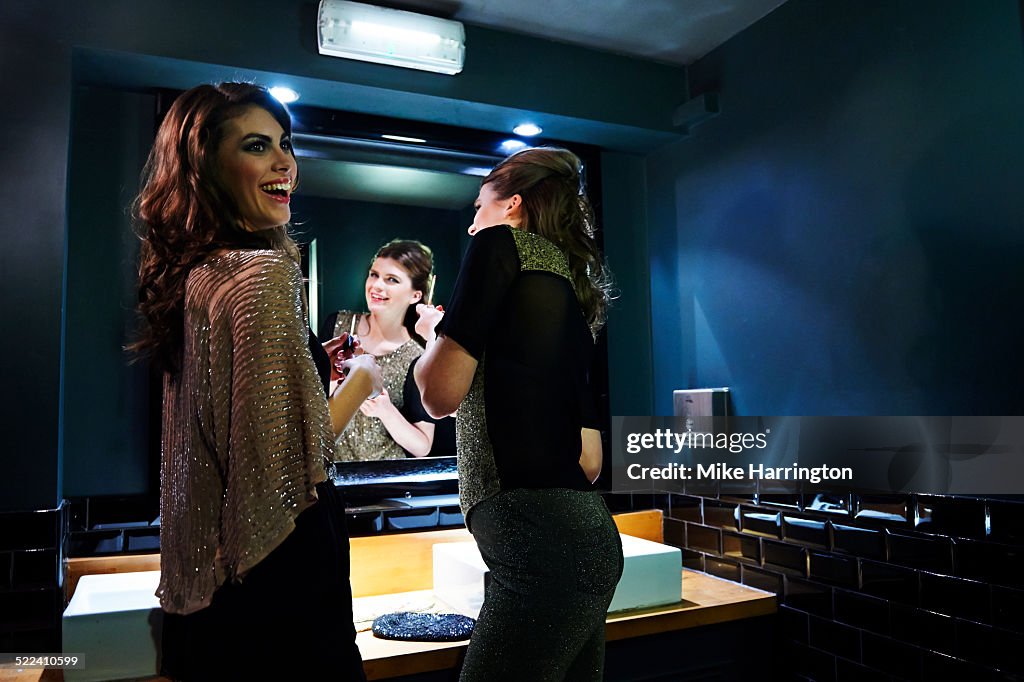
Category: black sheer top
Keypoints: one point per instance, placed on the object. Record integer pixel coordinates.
(514, 309)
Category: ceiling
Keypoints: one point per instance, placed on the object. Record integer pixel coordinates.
(671, 31)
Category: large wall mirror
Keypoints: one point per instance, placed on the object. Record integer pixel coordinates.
(364, 181)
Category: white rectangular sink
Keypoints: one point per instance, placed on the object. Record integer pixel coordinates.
(652, 575)
(110, 622)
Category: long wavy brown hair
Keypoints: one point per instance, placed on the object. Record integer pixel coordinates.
(555, 206)
(183, 213)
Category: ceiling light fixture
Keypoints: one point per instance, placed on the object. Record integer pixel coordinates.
(354, 30)
(283, 95)
(509, 146)
(527, 129)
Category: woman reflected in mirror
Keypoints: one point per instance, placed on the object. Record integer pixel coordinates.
(399, 280)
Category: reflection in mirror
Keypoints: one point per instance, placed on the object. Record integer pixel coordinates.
(356, 195)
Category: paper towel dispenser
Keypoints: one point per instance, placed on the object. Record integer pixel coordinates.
(701, 402)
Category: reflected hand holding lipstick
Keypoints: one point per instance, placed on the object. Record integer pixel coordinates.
(339, 349)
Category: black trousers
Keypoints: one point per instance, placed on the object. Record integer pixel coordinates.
(290, 618)
(554, 557)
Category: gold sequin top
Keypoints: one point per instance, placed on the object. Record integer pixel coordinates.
(246, 430)
(365, 438)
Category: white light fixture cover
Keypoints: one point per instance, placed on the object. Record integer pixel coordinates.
(389, 36)
(527, 129)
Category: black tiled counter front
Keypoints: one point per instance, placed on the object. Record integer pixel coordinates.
(31, 579)
(386, 496)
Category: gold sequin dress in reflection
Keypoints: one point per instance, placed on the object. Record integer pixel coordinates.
(366, 438)
(246, 429)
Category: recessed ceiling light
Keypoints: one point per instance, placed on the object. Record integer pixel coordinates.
(510, 146)
(402, 138)
(527, 129)
(283, 94)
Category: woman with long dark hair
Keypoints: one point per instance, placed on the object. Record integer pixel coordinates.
(513, 355)
(253, 549)
(399, 278)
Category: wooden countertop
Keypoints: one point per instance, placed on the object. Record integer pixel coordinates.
(708, 600)
(394, 573)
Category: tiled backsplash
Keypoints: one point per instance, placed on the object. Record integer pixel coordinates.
(871, 587)
(32, 549)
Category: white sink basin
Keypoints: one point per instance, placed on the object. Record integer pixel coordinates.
(652, 575)
(110, 622)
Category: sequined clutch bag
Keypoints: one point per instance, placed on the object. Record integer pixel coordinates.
(423, 627)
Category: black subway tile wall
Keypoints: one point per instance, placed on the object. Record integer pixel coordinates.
(835, 638)
(862, 611)
(674, 532)
(107, 525)
(848, 671)
(769, 581)
(810, 597)
(811, 663)
(833, 569)
(741, 547)
(722, 568)
(784, 558)
(704, 538)
(891, 656)
(889, 582)
(32, 579)
(811, 532)
(793, 624)
(684, 508)
(692, 560)
(927, 552)
(864, 542)
(950, 516)
(724, 516)
(956, 597)
(871, 586)
(1006, 522)
(1007, 605)
(765, 524)
(933, 631)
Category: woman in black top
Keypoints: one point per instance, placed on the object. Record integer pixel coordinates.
(512, 356)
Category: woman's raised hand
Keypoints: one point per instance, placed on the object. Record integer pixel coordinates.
(374, 407)
(429, 316)
(365, 363)
(340, 349)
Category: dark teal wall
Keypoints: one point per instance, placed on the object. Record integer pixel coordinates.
(846, 237)
(106, 429)
(624, 219)
(32, 256)
(48, 49)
